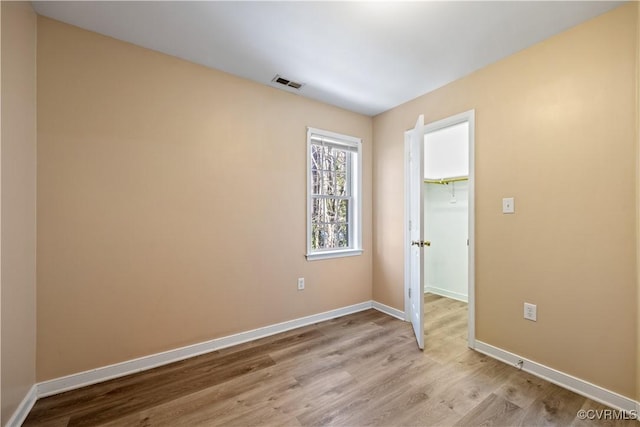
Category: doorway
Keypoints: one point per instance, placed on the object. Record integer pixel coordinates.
(443, 263)
(446, 211)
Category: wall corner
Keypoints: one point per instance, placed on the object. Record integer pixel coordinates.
(637, 115)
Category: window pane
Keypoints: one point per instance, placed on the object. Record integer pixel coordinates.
(331, 159)
(343, 236)
(322, 236)
(335, 236)
(327, 158)
(319, 211)
(316, 234)
(336, 210)
(316, 157)
(331, 210)
(341, 161)
(316, 181)
(343, 210)
(334, 184)
(315, 211)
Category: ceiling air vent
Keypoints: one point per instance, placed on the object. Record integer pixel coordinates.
(286, 82)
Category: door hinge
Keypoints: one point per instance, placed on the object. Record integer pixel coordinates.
(409, 293)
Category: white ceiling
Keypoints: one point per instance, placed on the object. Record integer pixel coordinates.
(366, 56)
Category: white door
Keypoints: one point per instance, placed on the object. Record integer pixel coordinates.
(416, 230)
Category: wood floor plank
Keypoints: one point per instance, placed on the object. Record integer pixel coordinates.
(318, 394)
(379, 386)
(557, 408)
(126, 403)
(493, 411)
(139, 391)
(522, 388)
(361, 369)
(222, 403)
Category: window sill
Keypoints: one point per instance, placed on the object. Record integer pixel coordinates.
(333, 254)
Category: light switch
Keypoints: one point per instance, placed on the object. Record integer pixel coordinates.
(530, 311)
(508, 205)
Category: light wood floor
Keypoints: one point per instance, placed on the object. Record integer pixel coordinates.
(362, 369)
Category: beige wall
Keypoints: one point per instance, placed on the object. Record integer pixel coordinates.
(171, 204)
(555, 128)
(638, 198)
(18, 203)
(1, 420)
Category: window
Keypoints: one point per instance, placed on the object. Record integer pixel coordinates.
(334, 205)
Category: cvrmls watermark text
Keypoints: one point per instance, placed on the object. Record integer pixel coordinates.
(606, 414)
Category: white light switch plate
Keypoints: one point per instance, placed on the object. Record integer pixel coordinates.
(508, 205)
(530, 311)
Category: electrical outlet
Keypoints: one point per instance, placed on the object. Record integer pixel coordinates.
(300, 283)
(530, 311)
(508, 205)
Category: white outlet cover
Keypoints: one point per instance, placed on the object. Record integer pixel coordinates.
(530, 311)
(508, 205)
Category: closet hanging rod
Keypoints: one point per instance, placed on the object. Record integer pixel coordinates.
(446, 180)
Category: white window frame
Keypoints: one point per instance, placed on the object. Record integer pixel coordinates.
(355, 179)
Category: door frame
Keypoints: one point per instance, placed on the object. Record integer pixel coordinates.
(467, 116)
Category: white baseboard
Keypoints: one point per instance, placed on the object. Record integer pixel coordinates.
(394, 312)
(24, 408)
(82, 379)
(567, 381)
(446, 293)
